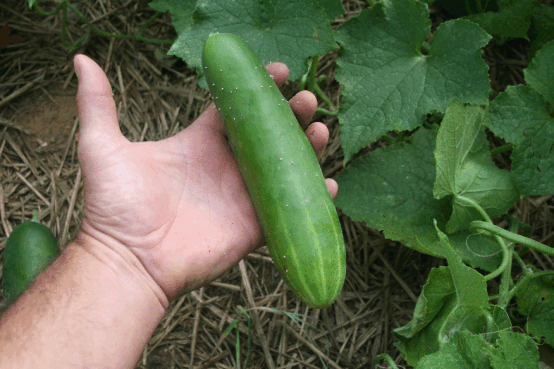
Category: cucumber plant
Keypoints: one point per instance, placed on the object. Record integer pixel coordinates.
(30, 248)
(281, 171)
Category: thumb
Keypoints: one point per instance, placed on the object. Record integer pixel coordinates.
(99, 129)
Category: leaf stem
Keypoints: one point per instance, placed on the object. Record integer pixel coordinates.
(303, 79)
(324, 97)
(475, 205)
(386, 357)
(45, 13)
(527, 278)
(65, 4)
(425, 46)
(115, 35)
(521, 264)
(501, 149)
(313, 69)
(522, 240)
(332, 113)
(505, 254)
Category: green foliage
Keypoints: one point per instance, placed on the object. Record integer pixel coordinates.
(465, 169)
(181, 11)
(512, 20)
(520, 115)
(280, 30)
(391, 189)
(542, 30)
(453, 300)
(535, 300)
(389, 84)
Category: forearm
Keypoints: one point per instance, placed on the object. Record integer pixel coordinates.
(82, 312)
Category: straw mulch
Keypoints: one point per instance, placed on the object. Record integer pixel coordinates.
(157, 98)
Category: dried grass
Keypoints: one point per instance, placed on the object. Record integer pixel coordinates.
(39, 169)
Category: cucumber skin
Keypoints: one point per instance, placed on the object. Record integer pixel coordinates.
(280, 169)
(30, 248)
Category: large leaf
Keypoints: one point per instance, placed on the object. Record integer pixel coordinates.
(388, 84)
(535, 300)
(512, 20)
(540, 73)
(519, 115)
(464, 350)
(441, 312)
(515, 351)
(450, 303)
(391, 189)
(465, 169)
(288, 31)
(543, 28)
(181, 11)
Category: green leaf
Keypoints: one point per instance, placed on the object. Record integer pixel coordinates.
(540, 72)
(333, 8)
(464, 350)
(454, 300)
(512, 20)
(230, 327)
(465, 168)
(388, 84)
(459, 8)
(391, 189)
(536, 302)
(181, 11)
(288, 31)
(515, 350)
(543, 28)
(469, 284)
(519, 115)
(440, 313)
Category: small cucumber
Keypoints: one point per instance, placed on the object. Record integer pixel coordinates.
(280, 169)
(30, 248)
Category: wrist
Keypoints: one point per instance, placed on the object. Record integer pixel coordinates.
(124, 266)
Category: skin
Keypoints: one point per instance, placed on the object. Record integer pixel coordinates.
(161, 219)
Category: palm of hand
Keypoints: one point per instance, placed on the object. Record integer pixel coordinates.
(179, 204)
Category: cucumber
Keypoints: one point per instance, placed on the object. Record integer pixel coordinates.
(30, 248)
(280, 169)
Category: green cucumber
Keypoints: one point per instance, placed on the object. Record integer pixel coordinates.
(30, 248)
(280, 169)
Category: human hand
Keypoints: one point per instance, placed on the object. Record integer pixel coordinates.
(177, 209)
